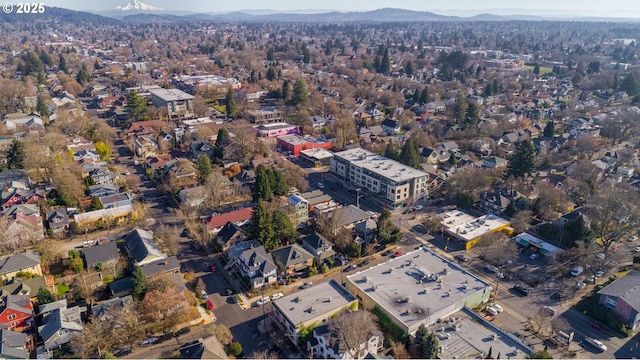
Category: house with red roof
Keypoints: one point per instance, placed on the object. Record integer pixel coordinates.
(238, 217)
(16, 313)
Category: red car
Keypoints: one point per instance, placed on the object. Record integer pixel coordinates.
(209, 304)
(212, 267)
(397, 253)
(597, 326)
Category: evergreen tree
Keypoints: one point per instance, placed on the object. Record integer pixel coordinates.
(424, 96)
(139, 283)
(96, 204)
(262, 188)
(490, 353)
(410, 155)
(430, 347)
(62, 64)
(203, 164)
(386, 231)
(279, 184)
(616, 81)
(286, 91)
(300, 95)
(385, 63)
(271, 74)
(536, 69)
(549, 129)
(630, 85)
(452, 159)
(137, 106)
(460, 108)
(523, 161)
(390, 151)
(305, 55)
(82, 77)
(408, 69)
(283, 227)
(471, 115)
(416, 96)
(42, 108)
(44, 296)
(261, 227)
(223, 137)
(230, 98)
(15, 155)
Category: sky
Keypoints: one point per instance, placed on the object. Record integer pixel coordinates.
(622, 8)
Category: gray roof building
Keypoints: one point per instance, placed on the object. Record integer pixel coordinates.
(102, 311)
(102, 254)
(623, 298)
(60, 326)
(121, 287)
(19, 262)
(13, 345)
(167, 265)
(142, 248)
(291, 256)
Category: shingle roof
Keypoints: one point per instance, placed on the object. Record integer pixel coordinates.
(233, 216)
(13, 345)
(316, 241)
(18, 262)
(626, 288)
(141, 246)
(59, 319)
(101, 254)
(291, 255)
(161, 266)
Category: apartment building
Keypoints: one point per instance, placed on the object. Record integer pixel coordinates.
(178, 103)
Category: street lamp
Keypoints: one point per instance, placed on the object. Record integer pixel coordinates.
(358, 198)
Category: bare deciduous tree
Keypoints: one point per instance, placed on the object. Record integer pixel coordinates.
(353, 329)
(221, 332)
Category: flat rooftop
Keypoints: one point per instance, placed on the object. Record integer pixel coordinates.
(295, 139)
(207, 80)
(314, 301)
(468, 227)
(465, 335)
(198, 121)
(381, 165)
(170, 94)
(417, 286)
(317, 153)
(263, 111)
(274, 126)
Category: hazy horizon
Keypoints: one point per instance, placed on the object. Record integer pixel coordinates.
(612, 8)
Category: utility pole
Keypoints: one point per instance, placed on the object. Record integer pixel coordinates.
(358, 198)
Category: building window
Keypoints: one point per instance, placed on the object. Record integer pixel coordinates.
(611, 303)
(11, 316)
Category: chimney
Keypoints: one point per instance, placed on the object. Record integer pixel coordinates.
(166, 262)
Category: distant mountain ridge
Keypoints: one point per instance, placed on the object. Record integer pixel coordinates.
(138, 5)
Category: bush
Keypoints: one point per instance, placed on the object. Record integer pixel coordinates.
(386, 323)
(324, 269)
(235, 349)
(589, 306)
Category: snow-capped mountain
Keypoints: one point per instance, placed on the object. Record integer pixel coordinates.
(138, 5)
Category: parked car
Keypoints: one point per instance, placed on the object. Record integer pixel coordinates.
(491, 268)
(306, 285)
(558, 295)
(349, 268)
(397, 253)
(600, 256)
(548, 310)
(492, 311)
(203, 294)
(150, 341)
(123, 352)
(636, 249)
(497, 307)
(365, 263)
(580, 285)
(590, 280)
(164, 337)
(596, 343)
(597, 326)
(534, 256)
(184, 330)
(503, 276)
(577, 270)
(388, 252)
(320, 185)
(419, 207)
(276, 296)
(599, 273)
(212, 267)
(522, 289)
(263, 301)
(461, 257)
(209, 304)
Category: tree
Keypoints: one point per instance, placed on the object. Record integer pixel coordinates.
(549, 129)
(203, 165)
(102, 149)
(630, 85)
(230, 101)
(283, 228)
(408, 68)
(235, 349)
(390, 151)
(199, 107)
(261, 227)
(82, 77)
(139, 283)
(96, 204)
(42, 108)
(536, 69)
(410, 155)
(426, 343)
(613, 214)
(223, 137)
(387, 232)
(523, 161)
(351, 329)
(44, 296)
(62, 64)
(471, 116)
(15, 155)
(221, 332)
(424, 96)
(165, 304)
(262, 187)
(286, 91)
(75, 261)
(385, 63)
(300, 95)
(137, 106)
(540, 354)
(460, 108)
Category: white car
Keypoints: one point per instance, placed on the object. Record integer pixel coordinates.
(577, 270)
(263, 301)
(580, 285)
(596, 343)
(321, 185)
(276, 296)
(491, 268)
(599, 273)
(600, 256)
(491, 310)
(534, 256)
(419, 207)
(636, 249)
(497, 307)
(548, 310)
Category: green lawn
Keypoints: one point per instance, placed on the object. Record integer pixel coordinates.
(543, 69)
(62, 289)
(221, 108)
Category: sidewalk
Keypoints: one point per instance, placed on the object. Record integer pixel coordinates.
(204, 317)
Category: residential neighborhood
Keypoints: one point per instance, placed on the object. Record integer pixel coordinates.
(368, 184)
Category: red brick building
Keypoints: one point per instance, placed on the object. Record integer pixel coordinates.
(295, 143)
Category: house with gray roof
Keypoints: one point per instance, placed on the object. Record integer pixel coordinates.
(23, 286)
(348, 216)
(116, 200)
(121, 287)
(254, 262)
(60, 326)
(105, 309)
(58, 220)
(142, 248)
(101, 190)
(318, 246)
(292, 258)
(27, 262)
(104, 254)
(13, 345)
(622, 297)
(168, 265)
